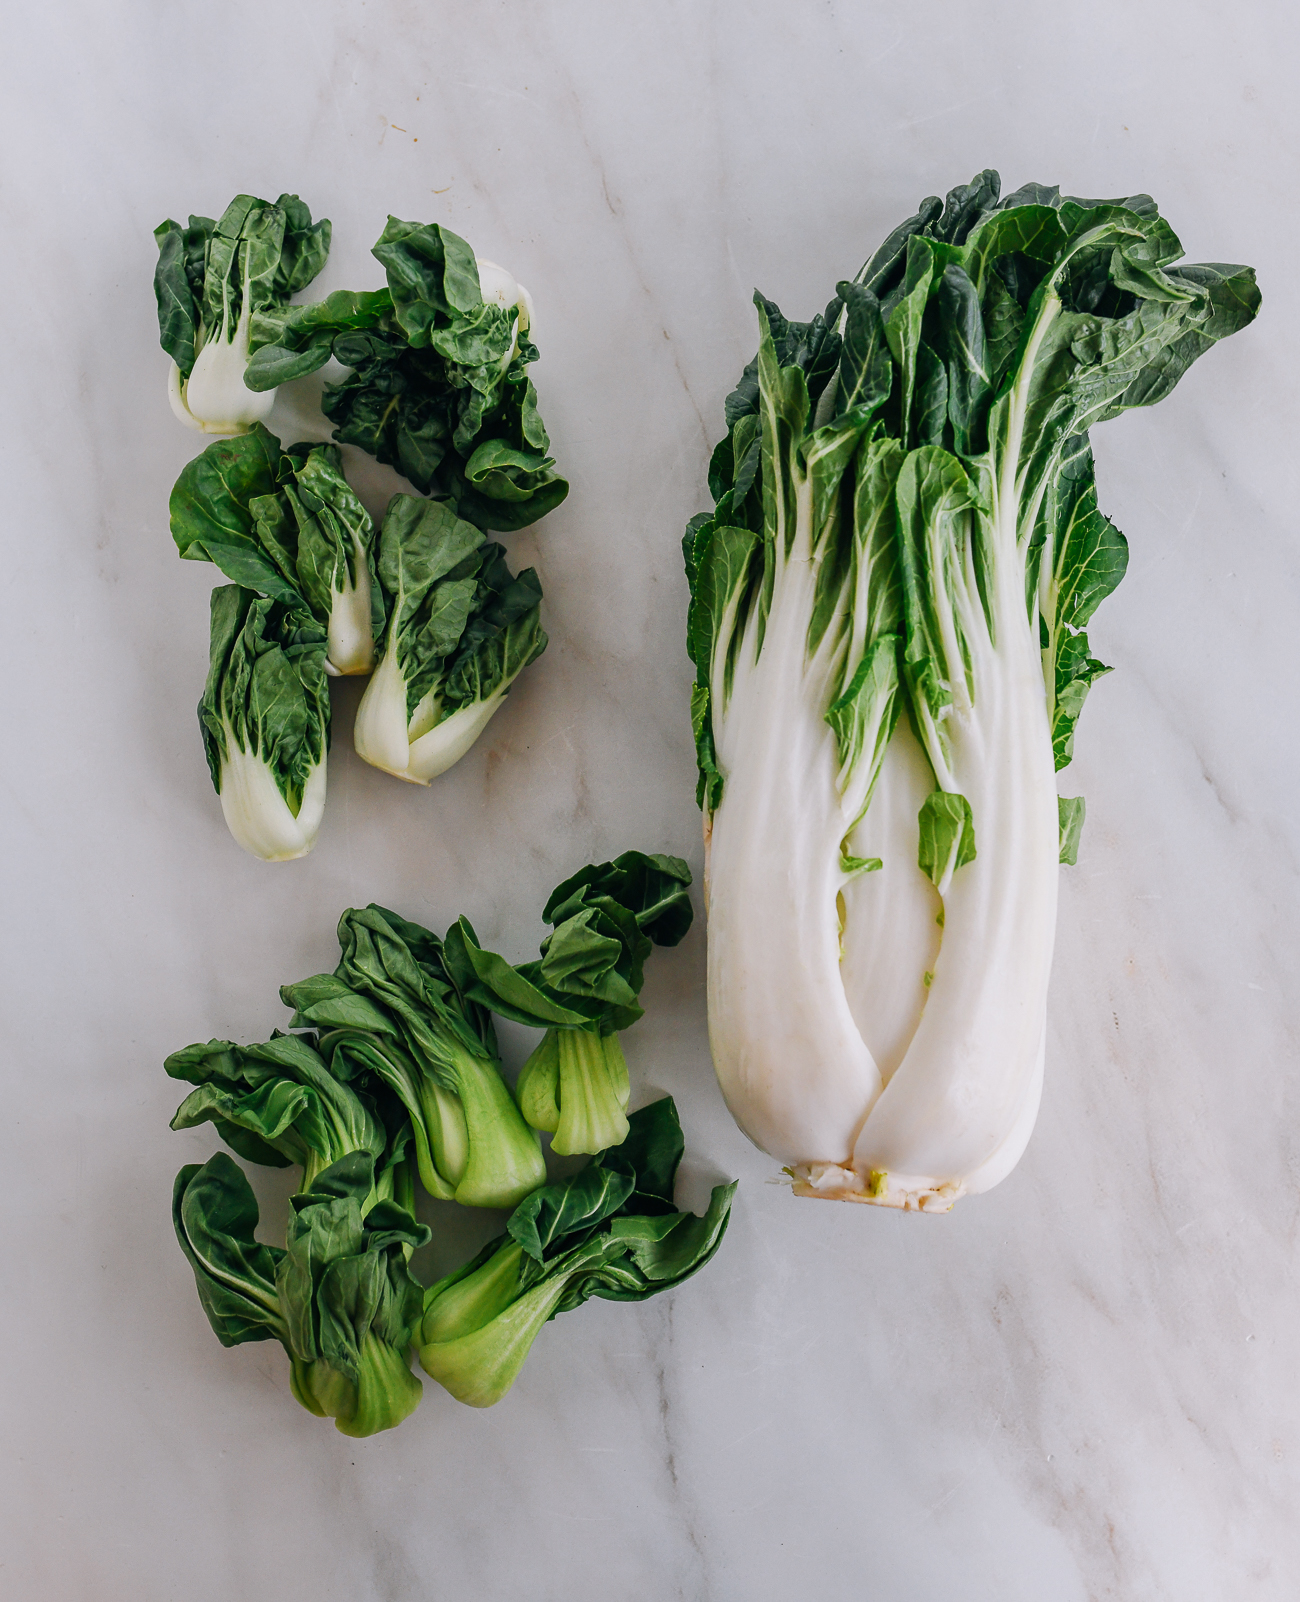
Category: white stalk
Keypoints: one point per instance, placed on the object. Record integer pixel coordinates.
(351, 647)
(215, 399)
(891, 924)
(500, 288)
(417, 749)
(791, 1062)
(256, 813)
(380, 731)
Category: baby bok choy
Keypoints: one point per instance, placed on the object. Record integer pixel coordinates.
(285, 522)
(461, 628)
(265, 721)
(212, 281)
(338, 1295)
(393, 1012)
(888, 606)
(439, 386)
(582, 992)
(610, 1231)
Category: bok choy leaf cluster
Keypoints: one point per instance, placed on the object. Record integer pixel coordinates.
(393, 1070)
(439, 386)
(889, 605)
(213, 280)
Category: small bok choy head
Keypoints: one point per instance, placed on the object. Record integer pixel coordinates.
(281, 1102)
(906, 517)
(610, 1231)
(461, 628)
(212, 280)
(285, 522)
(265, 721)
(392, 1010)
(439, 386)
(338, 1296)
(583, 991)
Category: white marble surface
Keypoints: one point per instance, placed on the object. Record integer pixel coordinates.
(1081, 1386)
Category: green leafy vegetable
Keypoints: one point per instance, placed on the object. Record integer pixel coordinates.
(582, 991)
(265, 721)
(287, 524)
(213, 281)
(338, 1296)
(608, 1231)
(392, 1010)
(439, 386)
(461, 628)
(906, 518)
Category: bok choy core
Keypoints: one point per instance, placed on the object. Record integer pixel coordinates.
(887, 618)
(212, 281)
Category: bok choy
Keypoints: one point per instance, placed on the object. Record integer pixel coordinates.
(439, 386)
(213, 279)
(461, 628)
(888, 612)
(582, 992)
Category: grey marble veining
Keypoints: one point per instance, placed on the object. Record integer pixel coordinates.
(1081, 1386)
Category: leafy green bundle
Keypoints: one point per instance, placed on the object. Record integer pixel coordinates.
(609, 1231)
(265, 721)
(582, 991)
(461, 628)
(339, 1296)
(439, 386)
(393, 1011)
(399, 1053)
(906, 516)
(212, 280)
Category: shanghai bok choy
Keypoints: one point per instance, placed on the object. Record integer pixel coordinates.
(461, 628)
(395, 1071)
(215, 282)
(888, 614)
(393, 1011)
(610, 1230)
(438, 387)
(582, 992)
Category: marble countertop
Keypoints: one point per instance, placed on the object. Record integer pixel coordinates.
(1080, 1386)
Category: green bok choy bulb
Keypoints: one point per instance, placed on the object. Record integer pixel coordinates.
(609, 1231)
(265, 721)
(461, 628)
(906, 518)
(211, 280)
(338, 1296)
(392, 1010)
(285, 522)
(583, 991)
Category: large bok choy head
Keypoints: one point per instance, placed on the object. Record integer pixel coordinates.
(287, 524)
(887, 619)
(439, 386)
(609, 1231)
(582, 992)
(212, 280)
(461, 628)
(393, 1012)
(338, 1295)
(265, 721)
